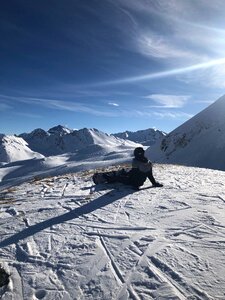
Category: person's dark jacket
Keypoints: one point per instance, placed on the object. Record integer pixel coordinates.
(141, 168)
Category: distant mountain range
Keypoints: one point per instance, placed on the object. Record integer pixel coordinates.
(199, 142)
(59, 140)
(147, 137)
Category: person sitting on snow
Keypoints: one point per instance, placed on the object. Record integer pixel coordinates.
(136, 177)
(141, 169)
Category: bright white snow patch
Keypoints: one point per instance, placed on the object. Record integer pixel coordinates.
(14, 148)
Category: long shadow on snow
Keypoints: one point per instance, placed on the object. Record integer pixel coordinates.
(100, 202)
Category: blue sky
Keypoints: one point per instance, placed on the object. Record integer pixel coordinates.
(114, 65)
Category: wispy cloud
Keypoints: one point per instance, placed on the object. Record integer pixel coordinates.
(214, 78)
(207, 101)
(113, 104)
(126, 13)
(68, 106)
(4, 106)
(28, 115)
(179, 35)
(173, 115)
(168, 101)
(169, 115)
(126, 112)
(96, 110)
(156, 46)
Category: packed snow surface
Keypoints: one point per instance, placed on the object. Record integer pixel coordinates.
(64, 238)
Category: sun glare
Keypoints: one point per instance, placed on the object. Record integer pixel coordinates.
(166, 73)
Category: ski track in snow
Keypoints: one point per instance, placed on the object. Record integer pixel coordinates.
(63, 238)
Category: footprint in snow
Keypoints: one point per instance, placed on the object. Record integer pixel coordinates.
(162, 207)
(40, 294)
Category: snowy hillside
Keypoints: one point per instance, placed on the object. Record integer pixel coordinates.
(60, 140)
(13, 148)
(23, 170)
(146, 137)
(63, 238)
(199, 142)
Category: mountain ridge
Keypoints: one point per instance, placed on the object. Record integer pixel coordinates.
(59, 140)
(146, 137)
(199, 142)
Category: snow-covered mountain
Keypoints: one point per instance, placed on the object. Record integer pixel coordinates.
(59, 130)
(14, 148)
(199, 142)
(146, 137)
(60, 140)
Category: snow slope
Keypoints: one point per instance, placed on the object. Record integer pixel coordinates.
(198, 142)
(63, 238)
(93, 156)
(146, 137)
(14, 148)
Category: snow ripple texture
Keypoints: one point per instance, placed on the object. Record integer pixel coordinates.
(63, 238)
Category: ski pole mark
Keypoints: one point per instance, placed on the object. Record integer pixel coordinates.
(116, 271)
(64, 189)
(173, 278)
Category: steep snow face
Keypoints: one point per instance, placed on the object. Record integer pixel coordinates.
(147, 137)
(106, 139)
(198, 142)
(59, 140)
(14, 148)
